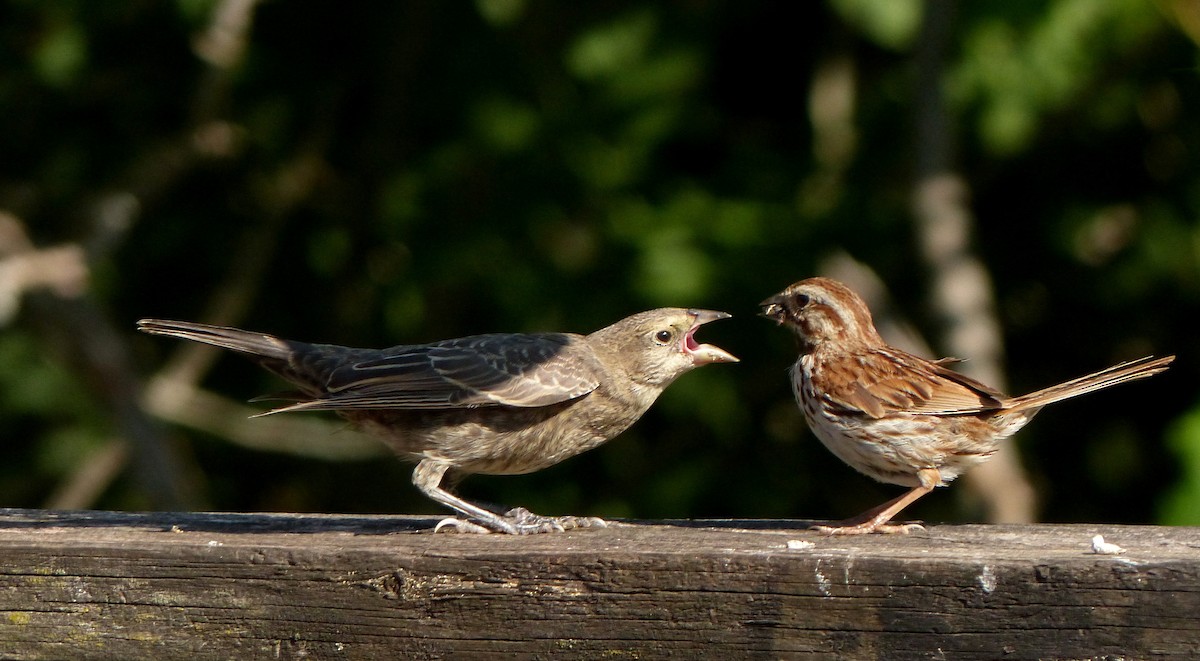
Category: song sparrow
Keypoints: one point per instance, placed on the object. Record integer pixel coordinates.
(896, 417)
(500, 404)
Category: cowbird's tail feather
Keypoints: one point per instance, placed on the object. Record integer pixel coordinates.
(234, 339)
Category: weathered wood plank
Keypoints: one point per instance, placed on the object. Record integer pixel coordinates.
(85, 585)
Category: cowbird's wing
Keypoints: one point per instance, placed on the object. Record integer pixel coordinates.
(524, 370)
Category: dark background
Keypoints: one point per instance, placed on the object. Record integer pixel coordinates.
(380, 173)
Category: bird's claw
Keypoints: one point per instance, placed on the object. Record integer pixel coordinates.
(520, 521)
(453, 524)
(527, 522)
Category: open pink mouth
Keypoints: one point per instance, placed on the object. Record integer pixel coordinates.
(703, 354)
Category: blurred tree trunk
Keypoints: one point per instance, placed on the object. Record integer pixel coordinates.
(960, 285)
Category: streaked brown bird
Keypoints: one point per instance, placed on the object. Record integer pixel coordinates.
(498, 404)
(896, 417)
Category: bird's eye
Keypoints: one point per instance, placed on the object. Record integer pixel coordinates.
(663, 336)
(802, 300)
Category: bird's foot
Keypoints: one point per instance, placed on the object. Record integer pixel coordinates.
(519, 521)
(869, 527)
(528, 523)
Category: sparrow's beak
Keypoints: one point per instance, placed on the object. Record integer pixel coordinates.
(703, 354)
(773, 309)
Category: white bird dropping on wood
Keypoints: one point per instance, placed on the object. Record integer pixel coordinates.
(1102, 547)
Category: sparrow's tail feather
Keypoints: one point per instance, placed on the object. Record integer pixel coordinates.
(1130, 371)
(234, 339)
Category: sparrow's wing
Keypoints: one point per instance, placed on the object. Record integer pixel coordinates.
(889, 380)
(525, 370)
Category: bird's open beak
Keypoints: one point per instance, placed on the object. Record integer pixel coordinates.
(773, 309)
(703, 354)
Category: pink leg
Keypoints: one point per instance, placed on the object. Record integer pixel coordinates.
(876, 519)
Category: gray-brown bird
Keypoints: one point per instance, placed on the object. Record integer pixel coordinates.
(497, 404)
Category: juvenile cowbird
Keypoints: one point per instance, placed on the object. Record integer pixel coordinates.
(897, 417)
(498, 404)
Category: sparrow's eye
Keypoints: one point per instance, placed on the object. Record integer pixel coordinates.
(663, 336)
(802, 300)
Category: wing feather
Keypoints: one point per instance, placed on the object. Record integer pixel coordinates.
(888, 381)
(524, 370)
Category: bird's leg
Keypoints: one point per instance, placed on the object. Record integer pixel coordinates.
(427, 477)
(876, 519)
(519, 521)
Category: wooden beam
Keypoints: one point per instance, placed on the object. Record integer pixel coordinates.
(90, 585)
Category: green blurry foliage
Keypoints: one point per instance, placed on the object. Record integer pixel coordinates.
(890, 23)
(516, 166)
(1181, 504)
(47, 403)
(61, 55)
(1018, 68)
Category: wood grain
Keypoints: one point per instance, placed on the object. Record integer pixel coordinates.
(104, 585)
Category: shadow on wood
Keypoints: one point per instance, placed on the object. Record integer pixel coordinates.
(197, 586)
